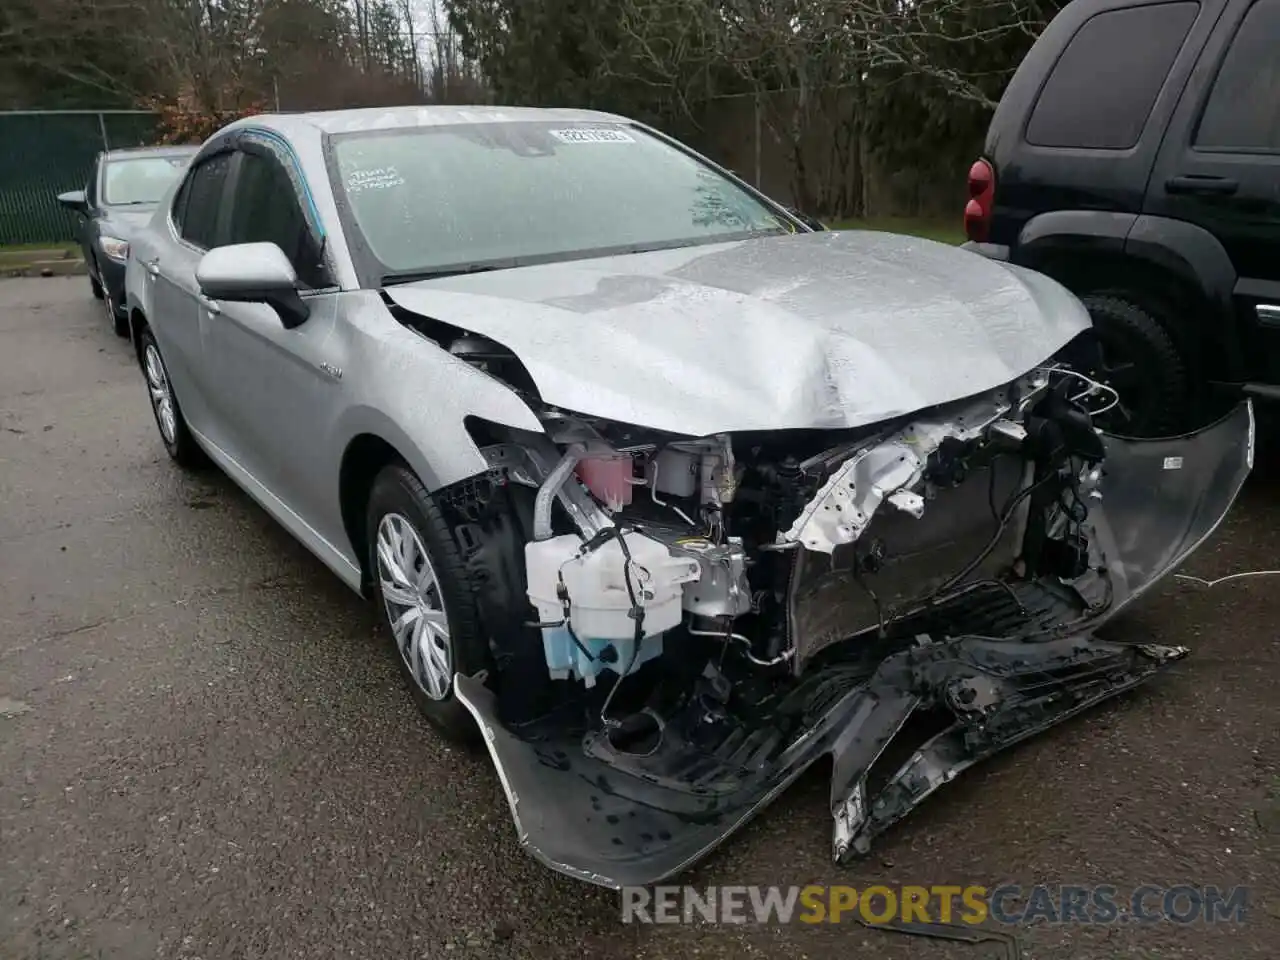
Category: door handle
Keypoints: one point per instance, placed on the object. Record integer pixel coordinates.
(210, 305)
(1219, 186)
(153, 266)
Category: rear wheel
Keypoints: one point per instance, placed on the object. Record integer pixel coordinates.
(178, 441)
(1131, 351)
(425, 596)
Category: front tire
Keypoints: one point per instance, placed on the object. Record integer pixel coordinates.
(178, 441)
(119, 323)
(424, 593)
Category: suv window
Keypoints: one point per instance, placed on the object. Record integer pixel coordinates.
(1103, 87)
(1243, 111)
(265, 209)
(195, 211)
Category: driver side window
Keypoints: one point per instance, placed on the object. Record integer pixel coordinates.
(265, 209)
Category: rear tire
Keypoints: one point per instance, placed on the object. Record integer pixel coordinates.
(424, 594)
(1131, 350)
(177, 438)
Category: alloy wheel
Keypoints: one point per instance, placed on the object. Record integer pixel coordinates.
(414, 605)
(161, 394)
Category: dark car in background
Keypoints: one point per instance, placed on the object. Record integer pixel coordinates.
(1135, 158)
(122, 193)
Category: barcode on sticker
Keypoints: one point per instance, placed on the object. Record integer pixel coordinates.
(593, 135)
(1173, 463)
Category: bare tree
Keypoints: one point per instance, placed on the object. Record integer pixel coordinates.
(452, 78)
(808, 65)
(50, 37)
(214, 56)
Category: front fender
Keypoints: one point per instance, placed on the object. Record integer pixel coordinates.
(416, 396)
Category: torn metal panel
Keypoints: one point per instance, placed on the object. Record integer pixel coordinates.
(890, 468)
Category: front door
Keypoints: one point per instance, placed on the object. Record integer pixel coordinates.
(278, 387)
(1220, 167)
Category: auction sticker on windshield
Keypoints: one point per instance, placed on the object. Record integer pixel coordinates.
(592, 135)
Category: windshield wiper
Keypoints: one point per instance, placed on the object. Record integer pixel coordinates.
(391, 279)
(568, 256)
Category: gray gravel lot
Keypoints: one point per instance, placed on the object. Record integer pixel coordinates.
(206, 753)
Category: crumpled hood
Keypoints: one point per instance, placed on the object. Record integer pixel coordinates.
(821, 330)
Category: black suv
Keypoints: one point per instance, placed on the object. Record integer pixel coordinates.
(1135, 157)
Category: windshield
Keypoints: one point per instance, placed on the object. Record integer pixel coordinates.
(137, 180)
(435, 199)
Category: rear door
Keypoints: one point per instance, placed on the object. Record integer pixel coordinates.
(197, 225)
(278, 388)
(1220, 166)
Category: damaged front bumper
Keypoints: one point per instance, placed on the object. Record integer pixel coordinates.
(589, 808)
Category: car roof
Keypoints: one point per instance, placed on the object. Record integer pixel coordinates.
(378, 118)
(122, 153)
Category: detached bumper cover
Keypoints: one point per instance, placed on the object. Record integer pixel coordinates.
(614, 818)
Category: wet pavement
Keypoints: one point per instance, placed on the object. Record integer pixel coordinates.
(206, 752)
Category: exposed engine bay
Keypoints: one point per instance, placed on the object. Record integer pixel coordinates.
(680, 626)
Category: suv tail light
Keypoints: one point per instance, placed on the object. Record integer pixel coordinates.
(982, 194)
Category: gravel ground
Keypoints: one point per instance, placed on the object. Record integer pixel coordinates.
(204, 753)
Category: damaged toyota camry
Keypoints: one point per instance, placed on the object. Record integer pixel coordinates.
(664, 494)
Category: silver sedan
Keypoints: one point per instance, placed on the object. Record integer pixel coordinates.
(664, 492)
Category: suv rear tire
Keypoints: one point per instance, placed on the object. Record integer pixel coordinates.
(1133, 352)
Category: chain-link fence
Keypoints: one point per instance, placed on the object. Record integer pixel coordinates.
(46, 152)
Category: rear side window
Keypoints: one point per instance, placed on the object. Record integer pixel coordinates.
(1103, 87)
(198, 203)
(1243, 111)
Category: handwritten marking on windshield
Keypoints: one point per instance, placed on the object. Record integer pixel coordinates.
(377, 178)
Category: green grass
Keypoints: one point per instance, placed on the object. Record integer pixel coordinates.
(29, 247)
(944, 231)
